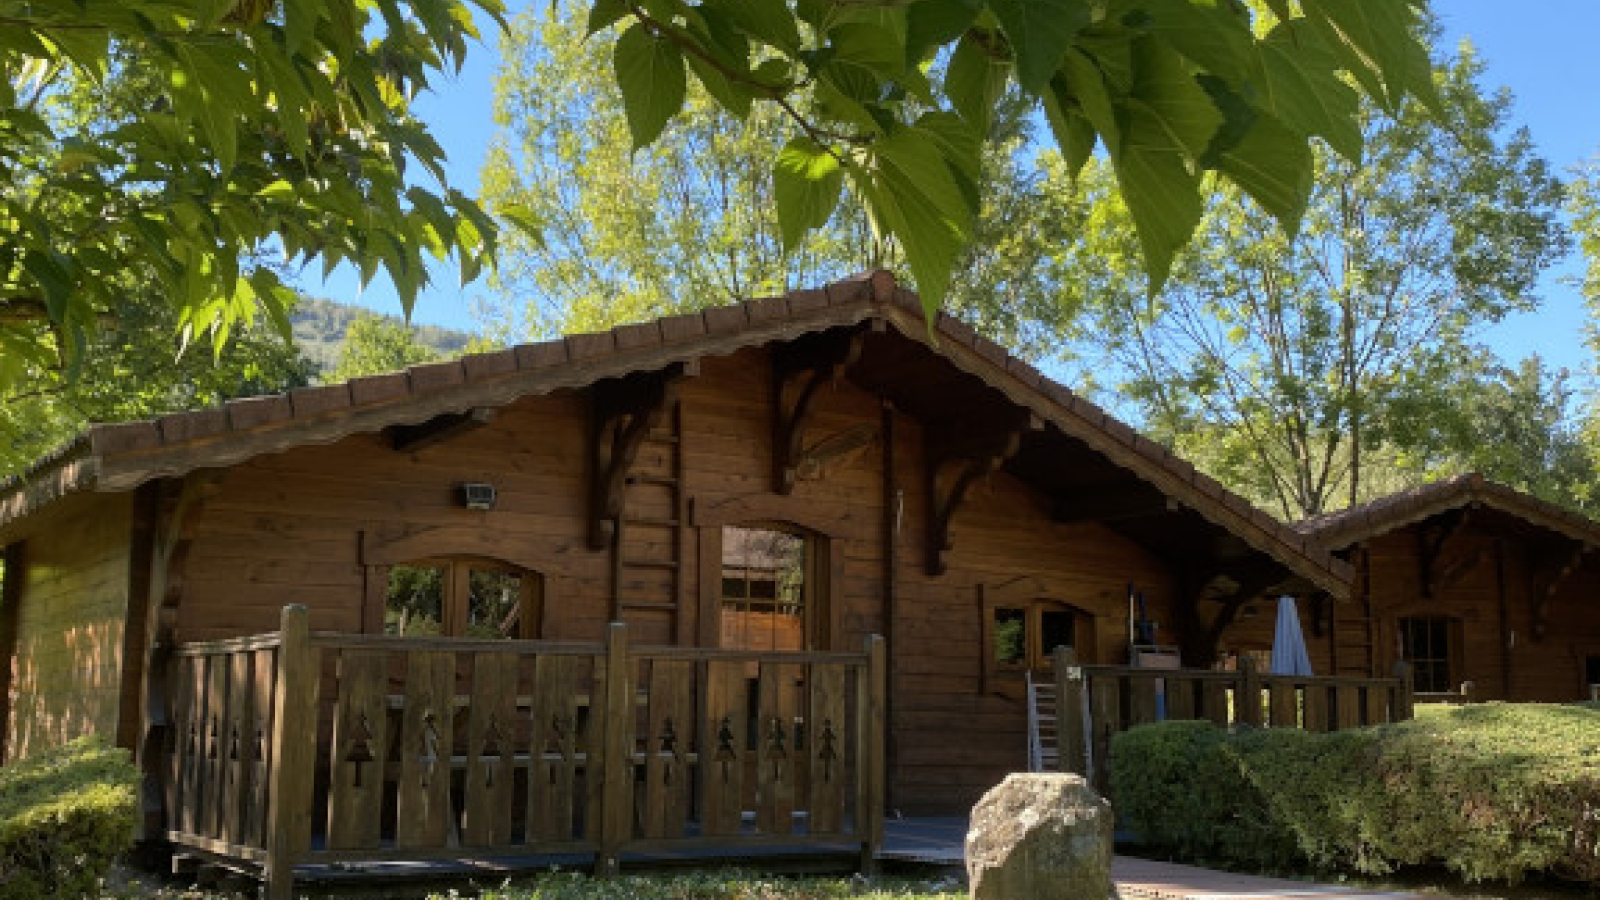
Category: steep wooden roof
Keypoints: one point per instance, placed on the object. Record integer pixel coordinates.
(119, 457)
(1341, 529)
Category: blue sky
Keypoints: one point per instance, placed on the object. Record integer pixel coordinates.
(1542, 50)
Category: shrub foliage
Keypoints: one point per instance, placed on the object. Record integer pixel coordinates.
(1491, 791)
(64, 816)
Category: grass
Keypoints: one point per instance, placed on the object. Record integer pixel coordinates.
(703, 885)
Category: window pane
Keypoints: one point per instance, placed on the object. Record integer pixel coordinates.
(763, 589)
(1425, 644)
(416, 600)
(494, 605)
(1056, 629)
(1010, 637)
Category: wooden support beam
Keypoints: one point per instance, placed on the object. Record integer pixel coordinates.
(1433, 541)
(437, 430)
(958, 454)
(623, 412)
(799, 370)
(1251, 584)
(1556, 580)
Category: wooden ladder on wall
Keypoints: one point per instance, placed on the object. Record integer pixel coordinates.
(1044, 744)
(648, 573)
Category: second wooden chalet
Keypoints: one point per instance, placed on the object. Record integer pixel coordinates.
(1471, 582)
(786, 475)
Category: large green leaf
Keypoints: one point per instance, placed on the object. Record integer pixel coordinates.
(807, 180)
(1214, 34)
(931, 24)
(1377, 43)
(1167, 97)
(1074, 134)
(650, 74)
(975, 81)
(768, 21)
(1298, 84)
(1080, 86)
(1273, 165)
(1040, 32)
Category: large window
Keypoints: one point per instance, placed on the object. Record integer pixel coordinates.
(768, 592)
(1426, 643)
(462, 597)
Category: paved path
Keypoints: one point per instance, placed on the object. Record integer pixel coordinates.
(1142, 878)
(940, 841)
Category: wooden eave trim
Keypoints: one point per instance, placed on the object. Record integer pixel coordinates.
(69, 474)
(1369, 524)
(1079, 419)
(128, 470)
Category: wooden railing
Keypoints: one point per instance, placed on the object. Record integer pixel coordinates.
(299, 749)
(1096, 702)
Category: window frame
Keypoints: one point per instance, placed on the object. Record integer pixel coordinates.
(1450, 628)
(456, 592)
(1033, 598)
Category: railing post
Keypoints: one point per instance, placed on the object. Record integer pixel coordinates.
(293, 752)
(616, 756)
(1072, 741)
(871, 690)
(1247, 706)
(1405, 699)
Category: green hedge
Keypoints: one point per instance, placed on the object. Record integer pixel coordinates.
(64, 816)
(1491, 791)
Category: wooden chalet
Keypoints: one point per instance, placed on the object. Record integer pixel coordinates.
(1471, 582)
(746, 576)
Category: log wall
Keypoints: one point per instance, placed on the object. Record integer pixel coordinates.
(293, 527)
(68, 628)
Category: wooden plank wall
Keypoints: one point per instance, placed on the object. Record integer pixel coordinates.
(287, 529)
(66, 670)
(1488, 579)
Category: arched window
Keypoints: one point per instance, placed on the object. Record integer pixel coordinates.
(1025, 636)
(773, 589)
(463, 596)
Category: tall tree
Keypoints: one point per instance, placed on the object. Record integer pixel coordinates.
(1171, 88)
(130, 371)
(1282, 363)
(692, 220)
(266, 128)
(376, 344)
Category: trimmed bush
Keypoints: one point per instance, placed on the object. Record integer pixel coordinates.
(1491, 791)
(64, 816)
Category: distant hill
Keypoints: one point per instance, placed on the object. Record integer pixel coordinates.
(320, 327)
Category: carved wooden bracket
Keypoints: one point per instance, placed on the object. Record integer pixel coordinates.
(1433, 542)
(799, 369)
(441, 428)
(966, 451)
(623, 413)
(1543, 598)
(1201, 647)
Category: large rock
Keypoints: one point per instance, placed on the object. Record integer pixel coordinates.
(1040, 836)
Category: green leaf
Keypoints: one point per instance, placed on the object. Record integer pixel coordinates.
(807, 181)
(1170, 122)
(1167, 97)
(1073, 133)
(1040, 32)
(1081, 86)
(605, 13)
(650, 73)
(1377, 43)
(931, 24)
(974, 81)
(1298, 83)
(1214, 34)
(1273, 165)
(920, 164)
(731, 96)
(768, 21)
(931, 245)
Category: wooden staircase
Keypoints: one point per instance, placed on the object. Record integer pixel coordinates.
(1044, 745)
